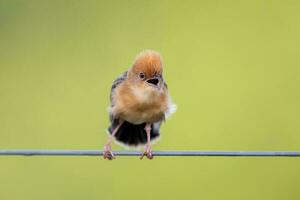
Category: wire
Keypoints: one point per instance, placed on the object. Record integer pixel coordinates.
(58, 152)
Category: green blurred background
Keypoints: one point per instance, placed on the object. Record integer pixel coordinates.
(232, 68)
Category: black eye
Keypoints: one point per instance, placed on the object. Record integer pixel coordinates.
(141, 75)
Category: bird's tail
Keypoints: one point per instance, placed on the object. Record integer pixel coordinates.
(134, 134)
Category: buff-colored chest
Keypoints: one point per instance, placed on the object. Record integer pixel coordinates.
(140, 104)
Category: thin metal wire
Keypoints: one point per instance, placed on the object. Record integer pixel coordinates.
(58, 152)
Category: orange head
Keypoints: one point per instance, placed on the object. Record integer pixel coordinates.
(147, 69)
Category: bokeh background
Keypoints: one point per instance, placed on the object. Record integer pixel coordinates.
(231, 66)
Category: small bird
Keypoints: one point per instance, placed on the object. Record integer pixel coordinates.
(140, 102)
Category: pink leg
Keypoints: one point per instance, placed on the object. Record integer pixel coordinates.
(107, 153)
(148, 150)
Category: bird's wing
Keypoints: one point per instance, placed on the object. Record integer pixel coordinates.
(166, 86)
(115, 84)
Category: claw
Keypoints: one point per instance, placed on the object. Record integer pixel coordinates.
(147, 153)
(107, 153)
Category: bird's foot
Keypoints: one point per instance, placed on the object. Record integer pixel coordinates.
(107, 153)
(147, 153)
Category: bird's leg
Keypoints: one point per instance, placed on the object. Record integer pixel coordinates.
(148, 150)
(107, 153)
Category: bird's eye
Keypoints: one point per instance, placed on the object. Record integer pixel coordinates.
(141, 75)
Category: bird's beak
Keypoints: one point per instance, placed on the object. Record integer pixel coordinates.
(154, 81)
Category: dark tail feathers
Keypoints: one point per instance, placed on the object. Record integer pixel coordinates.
(134, 134)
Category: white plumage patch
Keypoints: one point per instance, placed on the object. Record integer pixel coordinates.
(171, 109)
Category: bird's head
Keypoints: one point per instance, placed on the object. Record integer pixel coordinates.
(147, 69)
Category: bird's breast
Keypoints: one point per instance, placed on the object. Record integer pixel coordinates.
(139, 105)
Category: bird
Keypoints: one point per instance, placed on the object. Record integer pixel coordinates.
(139, 104)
